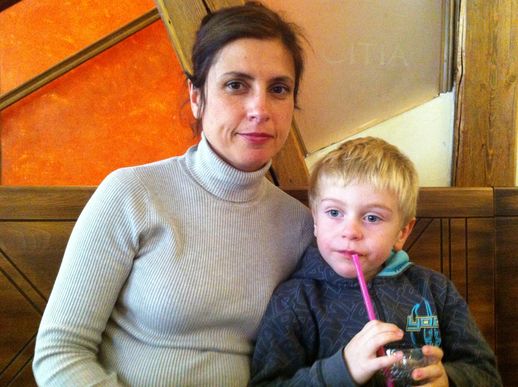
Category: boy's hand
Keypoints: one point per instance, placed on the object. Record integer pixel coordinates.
(433, 374)
(360, 353)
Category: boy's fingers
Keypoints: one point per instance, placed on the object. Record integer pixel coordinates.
(434, 353)
(431, 372)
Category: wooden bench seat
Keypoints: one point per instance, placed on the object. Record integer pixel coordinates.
(466, 233)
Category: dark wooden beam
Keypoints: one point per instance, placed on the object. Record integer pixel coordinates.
(4, 4)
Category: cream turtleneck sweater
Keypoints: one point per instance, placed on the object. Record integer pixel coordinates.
(167, 274)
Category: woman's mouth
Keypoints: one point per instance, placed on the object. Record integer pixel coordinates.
(256, 138)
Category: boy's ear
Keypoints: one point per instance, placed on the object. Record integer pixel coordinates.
(403, 235)
(194, 97)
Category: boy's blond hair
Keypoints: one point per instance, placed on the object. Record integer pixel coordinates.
(368, 160)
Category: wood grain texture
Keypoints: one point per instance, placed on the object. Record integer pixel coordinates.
(182, 18)
(506, 285)
(19, 371)
(461, 202)
(506, 201)
(42, 203)
(35, 224)
(486, 124)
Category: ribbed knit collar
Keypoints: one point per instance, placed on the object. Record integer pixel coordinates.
(220, 178)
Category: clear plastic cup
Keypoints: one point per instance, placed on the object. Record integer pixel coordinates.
(401, 371)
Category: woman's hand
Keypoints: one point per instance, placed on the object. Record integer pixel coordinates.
(361, 352)
(434, 375)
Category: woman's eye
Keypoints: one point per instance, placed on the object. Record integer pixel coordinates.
(281, 90)
(235, 85)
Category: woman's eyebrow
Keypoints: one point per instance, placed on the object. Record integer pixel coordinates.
(237, 74)
(242, 75)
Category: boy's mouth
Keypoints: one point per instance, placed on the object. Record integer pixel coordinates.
(349, 253)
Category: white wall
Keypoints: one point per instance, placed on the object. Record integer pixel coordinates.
(424, 134)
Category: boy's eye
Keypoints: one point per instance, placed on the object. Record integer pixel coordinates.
(333, 213)
(372, 218)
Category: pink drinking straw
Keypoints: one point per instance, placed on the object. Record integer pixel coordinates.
(368, 305)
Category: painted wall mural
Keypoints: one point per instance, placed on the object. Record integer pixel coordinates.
(126, 106)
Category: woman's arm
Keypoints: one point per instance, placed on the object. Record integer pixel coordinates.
(96, 264)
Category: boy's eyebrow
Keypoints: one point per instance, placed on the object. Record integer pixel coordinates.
(367, 205)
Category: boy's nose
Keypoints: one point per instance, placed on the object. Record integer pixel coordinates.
(351, 230)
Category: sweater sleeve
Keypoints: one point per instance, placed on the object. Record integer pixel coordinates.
(96, 264)
(468, 359)
(286, 350)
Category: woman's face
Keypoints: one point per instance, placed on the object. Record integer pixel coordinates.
(249, 102)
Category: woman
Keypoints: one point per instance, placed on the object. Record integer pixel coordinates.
(170, 266)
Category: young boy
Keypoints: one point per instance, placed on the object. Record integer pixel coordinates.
(316, 332)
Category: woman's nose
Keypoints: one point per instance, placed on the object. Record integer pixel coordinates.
(258, 107)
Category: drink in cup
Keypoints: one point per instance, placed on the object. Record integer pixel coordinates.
(401, 371)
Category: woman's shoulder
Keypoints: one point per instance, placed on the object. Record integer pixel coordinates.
(284, 198)
(146, 174)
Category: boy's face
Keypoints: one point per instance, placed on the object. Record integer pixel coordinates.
(358, 219)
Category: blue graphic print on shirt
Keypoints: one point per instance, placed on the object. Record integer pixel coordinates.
(423, 325)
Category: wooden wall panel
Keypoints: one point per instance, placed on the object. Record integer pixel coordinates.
(35, 224)
(487, 88)
(480, 274)
(35, 249)
(456, 248)
(19, 371)
(425, 246)
(506, 207)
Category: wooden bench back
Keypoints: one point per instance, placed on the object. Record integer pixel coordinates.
(466, 233)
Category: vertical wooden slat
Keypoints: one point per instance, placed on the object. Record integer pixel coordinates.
(507, 298)
(506, 209)
(458, 254)
(425, 250)
(182, 18)
(486, 124)
(481, 274)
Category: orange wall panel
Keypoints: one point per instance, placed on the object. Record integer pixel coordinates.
(37, 34)
(126, 106)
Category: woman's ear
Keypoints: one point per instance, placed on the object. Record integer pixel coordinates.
(195, 98)
(403, 235)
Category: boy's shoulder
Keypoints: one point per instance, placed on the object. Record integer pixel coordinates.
(420, 271)
(425, 277)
